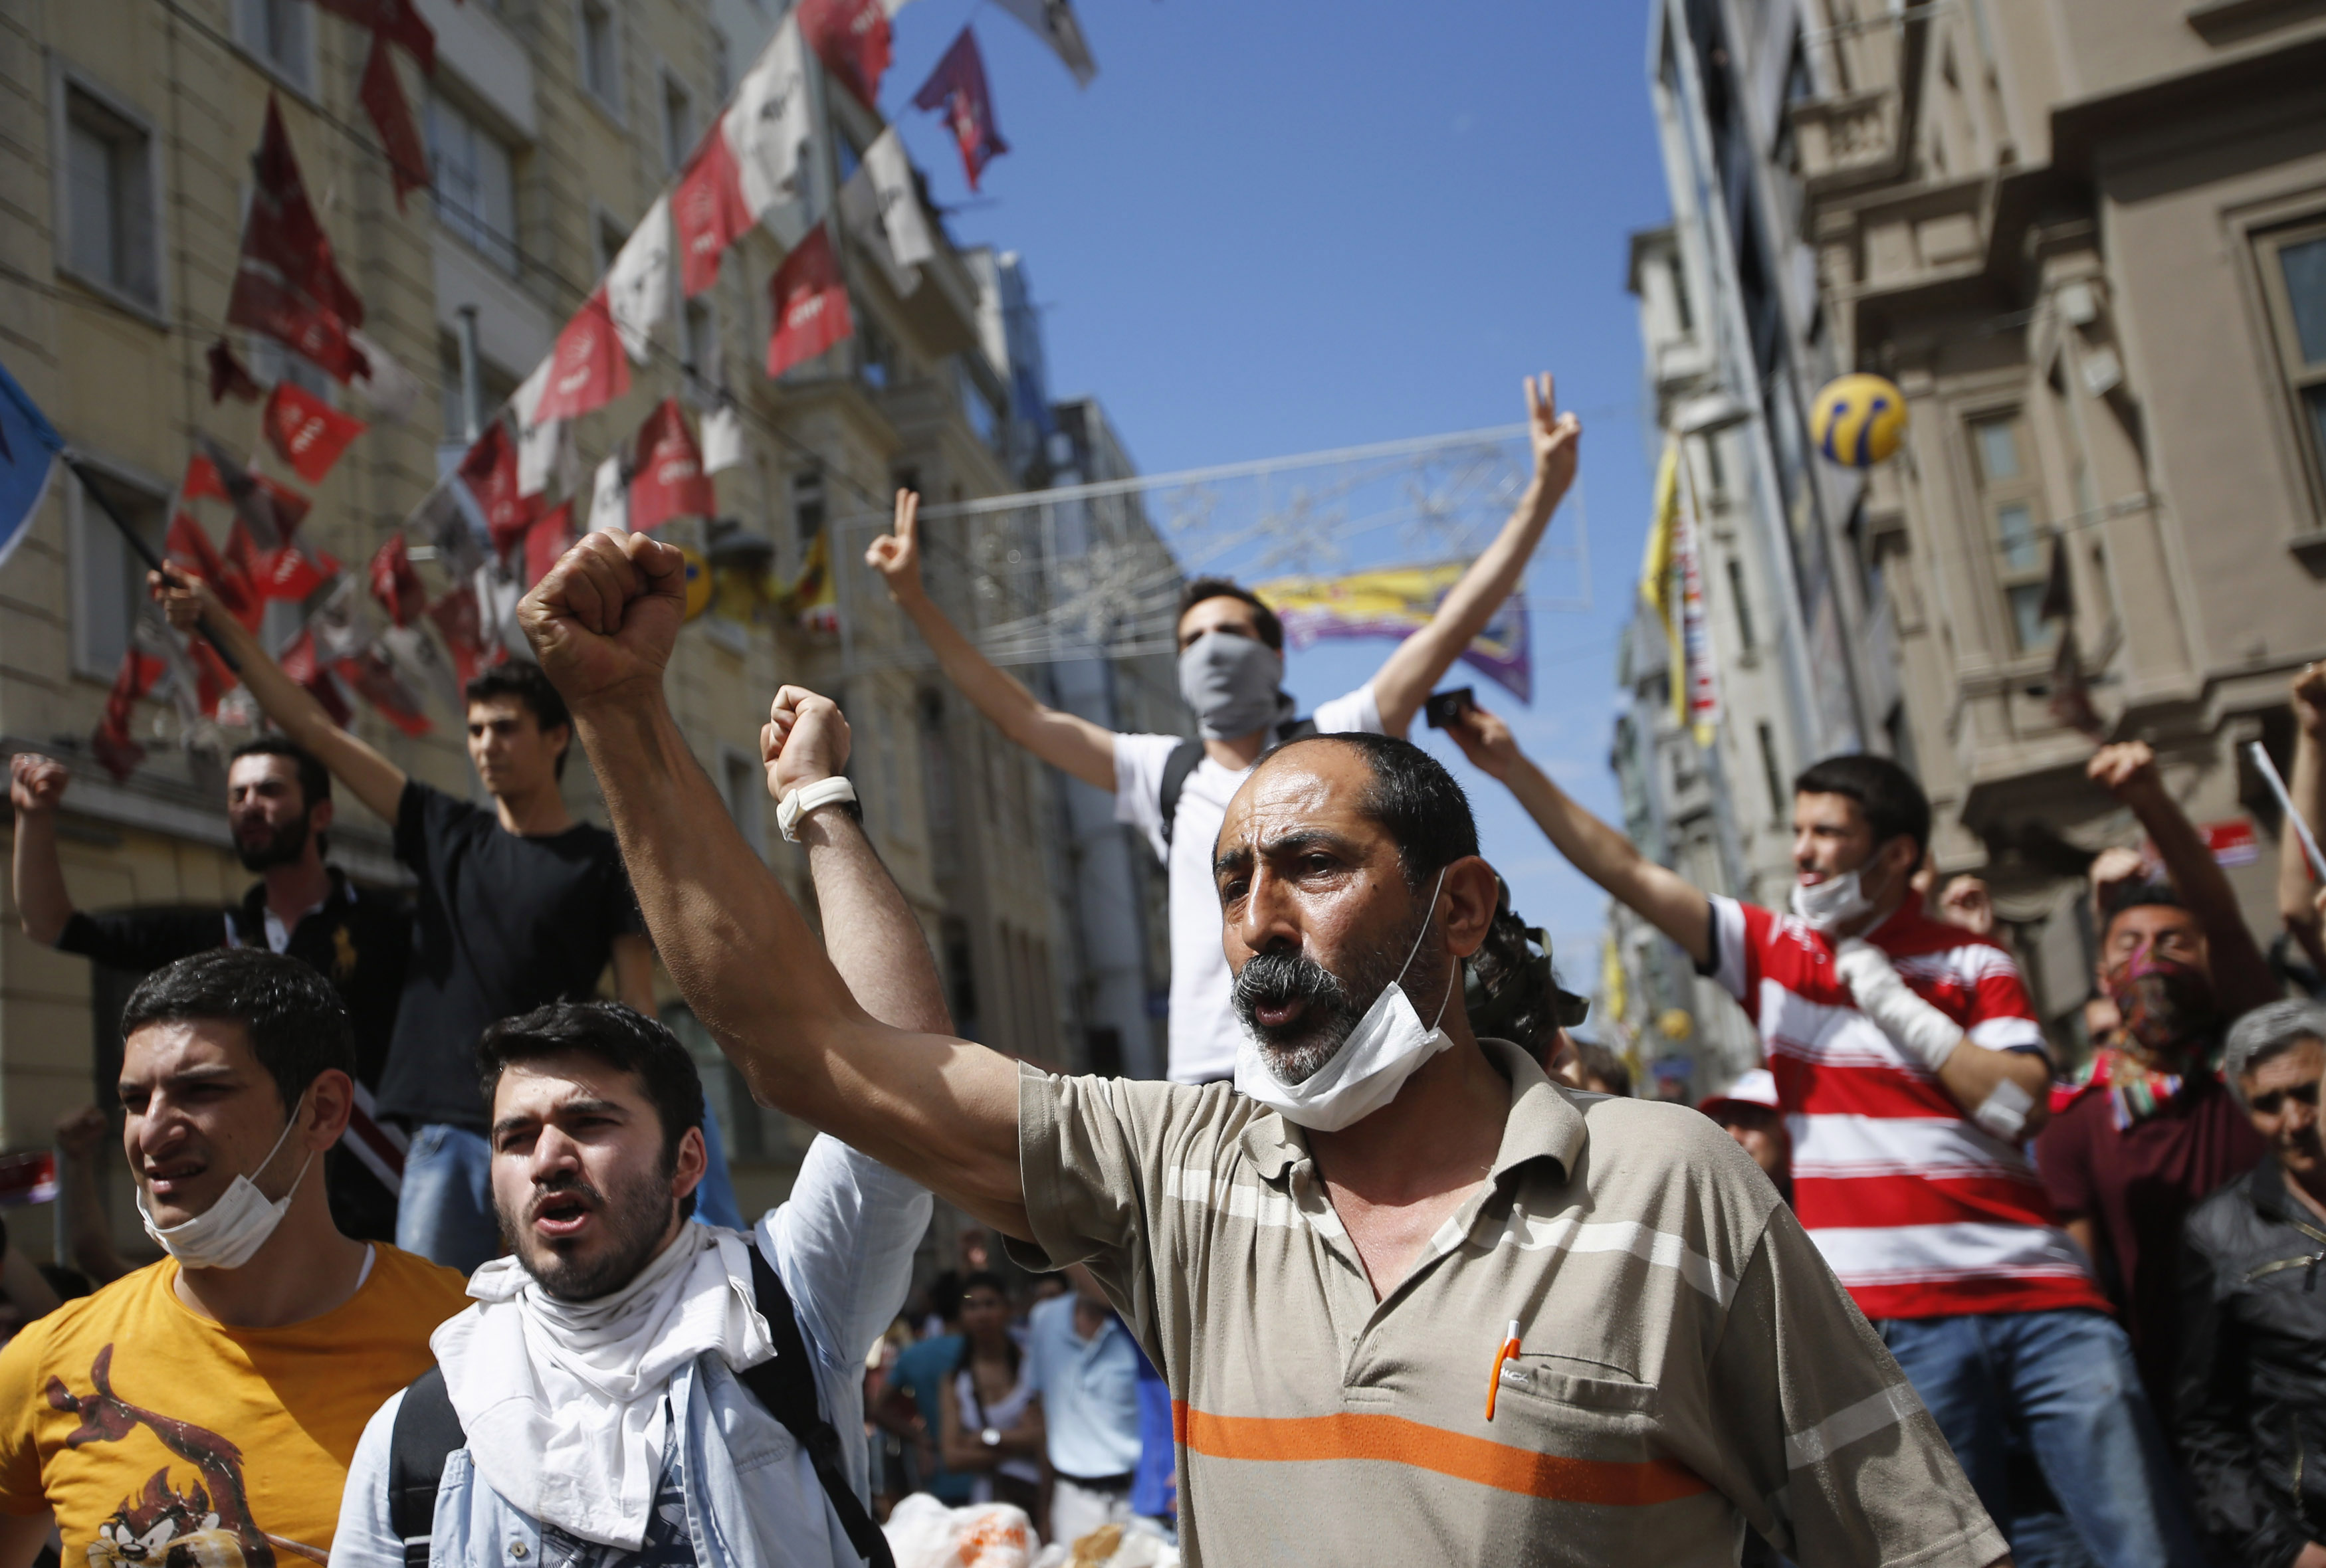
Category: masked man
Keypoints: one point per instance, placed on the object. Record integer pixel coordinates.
(632, 1390)
(2153, 1129)
(1231, 674)
(202, 1411)
(1414, 1303)
(1910, 1070)
(279, 810)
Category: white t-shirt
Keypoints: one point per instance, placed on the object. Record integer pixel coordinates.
(1204, 1027)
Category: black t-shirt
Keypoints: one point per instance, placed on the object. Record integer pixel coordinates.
(359, 940)
(502, 923)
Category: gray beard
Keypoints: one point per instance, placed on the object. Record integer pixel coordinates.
(1300, 1049)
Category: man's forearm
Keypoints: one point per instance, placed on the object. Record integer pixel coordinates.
(43, 905)
(869, 930)
(1075, 746)
(2241, 975)
(1598, 849)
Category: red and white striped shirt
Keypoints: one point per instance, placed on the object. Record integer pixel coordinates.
(1918, 1210)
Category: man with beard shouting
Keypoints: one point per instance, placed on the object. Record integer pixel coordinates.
(1414, 1301)
(278, 805)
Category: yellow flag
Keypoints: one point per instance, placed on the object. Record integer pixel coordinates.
(1656, 573)
(1614, 988)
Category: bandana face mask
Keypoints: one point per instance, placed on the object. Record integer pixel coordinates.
(1231, 682)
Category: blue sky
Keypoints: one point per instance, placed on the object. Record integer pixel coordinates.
(1277, 228)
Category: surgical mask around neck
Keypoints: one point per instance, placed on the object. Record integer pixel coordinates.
(1232, 682)
(1387, 1047)
(226, 1234)
(1834, 902)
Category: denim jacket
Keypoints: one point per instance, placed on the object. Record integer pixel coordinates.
(844, 1246)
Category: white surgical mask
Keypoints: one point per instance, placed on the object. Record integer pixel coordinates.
(1834, 902)
(1385, 1049)
(1231, 682)
(226, 1234)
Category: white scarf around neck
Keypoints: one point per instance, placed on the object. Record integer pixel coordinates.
(563, 1401)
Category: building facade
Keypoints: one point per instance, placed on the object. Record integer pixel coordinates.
(551, 128)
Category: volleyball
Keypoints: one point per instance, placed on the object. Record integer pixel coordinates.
(1858, 420)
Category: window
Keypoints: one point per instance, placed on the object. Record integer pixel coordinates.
(699, 346)
(1772, 774)
(2295, 278)
(723, 71)
(475, 177)
(677, 122)
(807, 504)
(600, 64)
(1746, 643)
(109, 578)
(1683, 308)
(108, 207)
(611, 237)
(2013, 507)
(275, 31)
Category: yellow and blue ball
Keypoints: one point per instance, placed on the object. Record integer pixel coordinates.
(1858, 420)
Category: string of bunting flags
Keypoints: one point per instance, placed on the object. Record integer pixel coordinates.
(367, 635)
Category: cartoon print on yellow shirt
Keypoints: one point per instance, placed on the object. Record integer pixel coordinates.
(209, 1527)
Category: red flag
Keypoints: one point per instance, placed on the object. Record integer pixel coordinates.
(286, 284)
(187, 546)
(273, 510)
(116, 751)
(399, 21)
(490, 470)
(669, 481)
(852, 38)
(374, 681)
(287, 573)
(202, 482)
(391, 115)
(811, 303)
(227, 376)
(212, 679)
(299, 662)
(709, 210)
(588, 368)
(305, 432)
(395, 582)
(957, 87)
(546, 541)
(458, 617)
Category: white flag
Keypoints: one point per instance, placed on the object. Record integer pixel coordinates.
(901, 218)
(1053, 22)
(769, 129)
(390, 389)
(609, 501)
(860, 210)
(537, 445)
(637, 285)
(723, 438)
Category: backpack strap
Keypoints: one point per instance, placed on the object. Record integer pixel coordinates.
(1188, 755)
(786, 1387)
(427, 1430)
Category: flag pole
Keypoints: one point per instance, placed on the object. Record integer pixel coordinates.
(145, 551)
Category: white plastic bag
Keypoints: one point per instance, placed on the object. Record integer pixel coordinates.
(923, 1533)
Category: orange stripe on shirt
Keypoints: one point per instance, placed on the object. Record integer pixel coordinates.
(1394, 1438)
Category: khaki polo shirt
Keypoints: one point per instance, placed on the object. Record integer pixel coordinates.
(1688, 1364)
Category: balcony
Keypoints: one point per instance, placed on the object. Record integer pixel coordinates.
(1849, 140)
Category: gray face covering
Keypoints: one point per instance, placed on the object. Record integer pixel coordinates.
(1231, 682)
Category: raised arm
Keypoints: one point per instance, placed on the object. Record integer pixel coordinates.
(36, 786)
(2241, 975)
(1404, 682)
(2296, 886)
(1073, 745)
(1658, 894)
(940, 1110)
(373, 780)
(869, 932)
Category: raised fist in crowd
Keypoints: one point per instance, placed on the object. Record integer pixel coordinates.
(806, 738)
(36, 783)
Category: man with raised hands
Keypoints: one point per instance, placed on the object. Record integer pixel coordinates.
(1414, 1301)
(1230, 647)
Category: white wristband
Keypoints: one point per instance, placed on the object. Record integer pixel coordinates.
(1924, 1033)
(808, 797)
(2003, 1112)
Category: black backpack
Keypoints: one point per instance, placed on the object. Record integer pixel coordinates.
(427, 1430)
(1188, 755)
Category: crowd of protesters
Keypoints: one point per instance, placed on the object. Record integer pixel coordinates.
(1398, 1269)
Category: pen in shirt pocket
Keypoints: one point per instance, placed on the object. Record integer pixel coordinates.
(1509, 1352)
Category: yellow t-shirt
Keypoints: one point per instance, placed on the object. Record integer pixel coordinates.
(157, 1435)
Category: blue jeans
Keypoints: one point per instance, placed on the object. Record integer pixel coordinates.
(2061, 1383)
(445, 1211)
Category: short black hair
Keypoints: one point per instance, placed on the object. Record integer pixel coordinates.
(297, 1027)
(2134, 892)
(1597, 1060)
(1894, 804)
(314, 778)
(624, 1039)
(1271, 630)
(1413, 799)
(524, 681)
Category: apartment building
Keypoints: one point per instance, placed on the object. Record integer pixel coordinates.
(550, 126)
